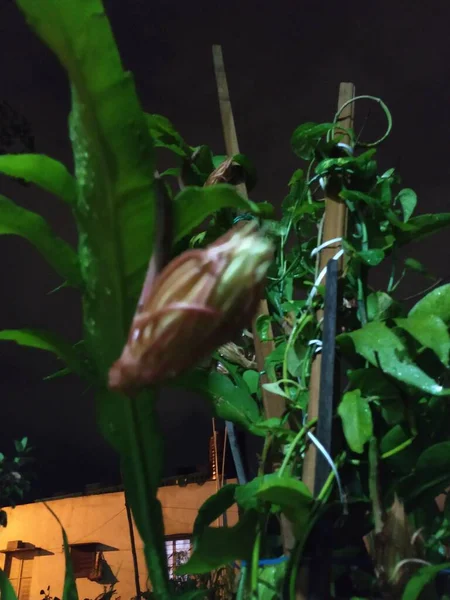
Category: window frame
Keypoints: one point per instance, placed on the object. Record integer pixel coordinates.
(23, 556)
(173, 539)
(93, 568)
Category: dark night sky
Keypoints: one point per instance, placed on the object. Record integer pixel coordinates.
(284, 62)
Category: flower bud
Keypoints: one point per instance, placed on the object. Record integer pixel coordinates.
(200, 301)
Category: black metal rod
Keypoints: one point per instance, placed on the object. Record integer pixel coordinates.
(236, 453)
(327, 375)
(321, 560)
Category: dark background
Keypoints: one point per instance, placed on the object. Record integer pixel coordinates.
(284, 62)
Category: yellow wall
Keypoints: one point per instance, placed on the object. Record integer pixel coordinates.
(98, 518)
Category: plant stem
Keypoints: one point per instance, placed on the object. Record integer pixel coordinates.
(255, 563)
(397, 449)
(362, 275)
(149, 521)
(328, 483)
(301, 323)
(265, 452)
(298, 438)
(373, 486)
(241, 587)
(391, 283)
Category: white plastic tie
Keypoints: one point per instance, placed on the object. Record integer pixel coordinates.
(330, 461)
(325, 245)
(318, 344)
(322, 274)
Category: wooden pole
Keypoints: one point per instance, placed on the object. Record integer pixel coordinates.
(274, 405)
(334, 226)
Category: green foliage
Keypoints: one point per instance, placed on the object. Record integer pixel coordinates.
(356, 416)
(70, 587)
(164, 135)
(421, 579)
(15, 220)
(383, 347)
(43, 171)
(194, 204)
(435, 303)
(219, 546)
(6, 589)
(50, 342)
(213, 508)
(14, 480)
(398, 362)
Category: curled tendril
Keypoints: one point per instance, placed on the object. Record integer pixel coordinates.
(364, 144)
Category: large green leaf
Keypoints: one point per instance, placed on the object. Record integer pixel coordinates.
(381, 306)
(436, 302)
(6, 589)
(48, 341)
(356, 416)
(213, 508)
(421, 579)
(290, 495)
(286, 494)
(45, 172)
(193, 204)
(306, 137)
(131, 427)
(15, 220)
(219, 546)
(271, 581)
(418, 227)
(408, 201)
(230, 402)
(114, 167)
(431, 332)
(70, 587)
(375, 385)
(383, 348)
(166, 136)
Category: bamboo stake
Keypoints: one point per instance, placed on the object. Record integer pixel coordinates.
(335, 225)
(274, 405)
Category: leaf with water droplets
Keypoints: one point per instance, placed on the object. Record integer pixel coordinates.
(115, 209)
(383, 348)
(356, 417)
(436, 302)
(431, 332)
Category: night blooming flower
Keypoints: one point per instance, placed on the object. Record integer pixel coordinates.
(200, 301)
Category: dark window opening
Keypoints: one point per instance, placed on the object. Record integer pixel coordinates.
(87, 561)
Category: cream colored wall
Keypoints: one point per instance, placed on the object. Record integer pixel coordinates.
(98, 518)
